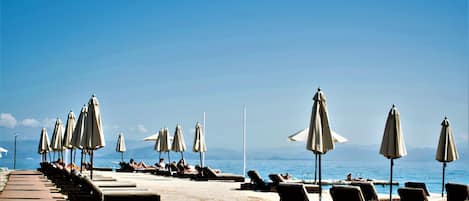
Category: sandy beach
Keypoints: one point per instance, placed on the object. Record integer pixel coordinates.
(178, 189)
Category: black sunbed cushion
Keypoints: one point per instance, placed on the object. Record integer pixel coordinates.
(346, 193)
(457, 192)
(412, 194)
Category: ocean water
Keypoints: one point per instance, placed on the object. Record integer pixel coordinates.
(428, 172)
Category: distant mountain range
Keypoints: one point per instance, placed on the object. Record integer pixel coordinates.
(292, 151)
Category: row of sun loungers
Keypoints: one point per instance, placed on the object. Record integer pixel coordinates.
(258, 183)
(78, 187)
(361, 192)
(353, 191)
(201, 174)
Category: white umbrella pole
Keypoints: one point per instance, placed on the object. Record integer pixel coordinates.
(244, 141)
(443, 181)
(390, 181)
(91, 166)
(201, 164)
(169, 162)
(81, 162)
(315, 166)
(320, 185)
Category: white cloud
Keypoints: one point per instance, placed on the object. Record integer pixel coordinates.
(30, 122)
(141, 128)
(7, 120)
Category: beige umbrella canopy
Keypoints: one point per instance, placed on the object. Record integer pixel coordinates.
(153, 137)
(392, 145)
(43, 147)
(178, 142)
(93, 137)
(3, 150)
(120, 147)
(157, 146)
(302, 136)
(78, 133)
(69, 127)
(79, 128)
(57, 139)
(199, 143)
(446, 151)
(165, 145)
(320, 134)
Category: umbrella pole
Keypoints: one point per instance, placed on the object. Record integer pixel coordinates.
(53, 156)
(182, 155)
(81, 162)
(71, 158)
(201, 165)
(169, 162)
(122, 156)
(443, 181)
(91, 166)
(315, 166)
(390, 181)
(74, 156)
(49, 157)
(320, 185)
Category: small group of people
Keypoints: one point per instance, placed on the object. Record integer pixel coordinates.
(181, 167)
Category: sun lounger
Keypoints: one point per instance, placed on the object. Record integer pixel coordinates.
(418, 185)
(457, 192)
(368, 190)
(292, 192)
(209, 174)
(277, 179)
(346, 193)
(412, 194)
(257, 183)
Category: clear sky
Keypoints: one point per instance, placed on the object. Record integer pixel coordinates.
(157, 63)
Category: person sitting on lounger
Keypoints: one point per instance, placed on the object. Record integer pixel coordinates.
(161, 164)
(184, 167)
(286, 176)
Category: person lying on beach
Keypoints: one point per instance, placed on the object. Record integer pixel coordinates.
(350, 178)
(138, 166)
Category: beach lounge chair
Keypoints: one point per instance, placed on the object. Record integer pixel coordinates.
(457, 192)
(257, 182)
(412, 194)
(418, 185)
(368, 190)
(346, 193)
(292, 192)
(277, 179)
(210, 174)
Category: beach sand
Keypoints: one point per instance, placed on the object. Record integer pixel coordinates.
(177, 189)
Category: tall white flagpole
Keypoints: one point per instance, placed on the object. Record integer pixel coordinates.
(205, 134)
(244, 141)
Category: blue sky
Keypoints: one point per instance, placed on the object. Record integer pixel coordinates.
(153, 64)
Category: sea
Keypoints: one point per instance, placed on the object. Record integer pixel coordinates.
(429, 172)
